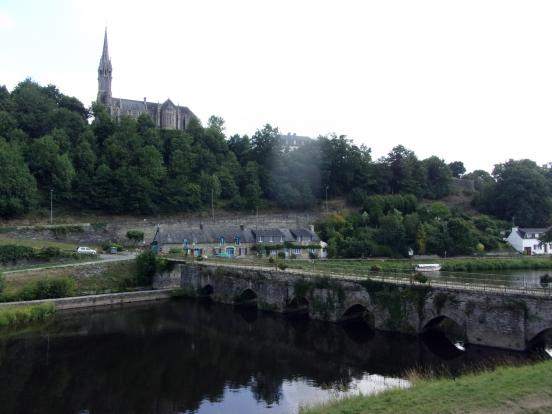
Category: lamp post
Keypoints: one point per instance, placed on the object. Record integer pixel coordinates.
(51, 205)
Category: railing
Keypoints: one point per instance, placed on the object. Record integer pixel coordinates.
(464, 282)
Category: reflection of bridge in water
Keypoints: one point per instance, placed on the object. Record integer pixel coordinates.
(497, 316)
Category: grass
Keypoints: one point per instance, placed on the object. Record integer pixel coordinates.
(526, 389)
(17, 317)
(117, 277)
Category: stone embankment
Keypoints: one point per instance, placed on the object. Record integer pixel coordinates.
(93, 301)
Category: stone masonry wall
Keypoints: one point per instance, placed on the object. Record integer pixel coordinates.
(486, 318)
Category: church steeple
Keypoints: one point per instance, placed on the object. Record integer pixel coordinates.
(104, 75)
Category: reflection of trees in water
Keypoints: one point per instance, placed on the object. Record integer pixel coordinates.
(171, 357)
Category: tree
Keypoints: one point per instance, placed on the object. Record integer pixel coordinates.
(457, 168)
(438, 177)
(522, 193)
(18, 193)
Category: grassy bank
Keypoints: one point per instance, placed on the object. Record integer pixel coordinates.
(21, 316)
(64, 282)
(526, 389)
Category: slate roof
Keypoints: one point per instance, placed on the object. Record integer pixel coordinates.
(213, 235)
(527, 232)
(134, 105)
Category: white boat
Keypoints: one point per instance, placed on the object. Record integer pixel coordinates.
(430, 267)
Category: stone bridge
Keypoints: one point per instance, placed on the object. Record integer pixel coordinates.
(496, 319)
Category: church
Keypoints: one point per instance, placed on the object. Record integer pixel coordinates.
(166, 115)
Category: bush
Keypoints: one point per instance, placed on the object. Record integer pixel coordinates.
(106, 246)
(282, 266)
(146, 266)
(135, 236)
(545, 280)
(175, 250)
(420, 278)
(2, 282)
(62, 231)
(11, 253)
(313, 256)
(271, 260)
(48, 253)
(375, 268)
(45, 289)
(281, 255)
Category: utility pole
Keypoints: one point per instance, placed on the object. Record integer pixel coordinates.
(327, 199)
(212, 205)
(51, 205)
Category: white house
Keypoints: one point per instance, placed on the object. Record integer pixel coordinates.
(526, 241)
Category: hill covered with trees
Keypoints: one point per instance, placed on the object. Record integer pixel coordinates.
(50, 141)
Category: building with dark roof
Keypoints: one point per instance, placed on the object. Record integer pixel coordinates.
(165, 115)
(240, 241)
(527, 240)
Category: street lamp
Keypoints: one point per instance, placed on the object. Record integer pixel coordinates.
(51, 205)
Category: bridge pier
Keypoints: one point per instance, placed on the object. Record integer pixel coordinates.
(501, 320)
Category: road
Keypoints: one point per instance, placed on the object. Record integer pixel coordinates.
(102, 258)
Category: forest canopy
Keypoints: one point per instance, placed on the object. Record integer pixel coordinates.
(52, 142)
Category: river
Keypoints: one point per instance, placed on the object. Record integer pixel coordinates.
(189, 356)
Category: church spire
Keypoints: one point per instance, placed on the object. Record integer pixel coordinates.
(104, 75)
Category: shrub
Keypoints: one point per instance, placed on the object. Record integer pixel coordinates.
(281, 255)
(175, 250)
(313, 256)
(375, 268)
(106, 246)
(2, 282)
(11, 253)
(545, 280)
(146, 266)
(271, 260)
(46, 289)
(135, 236)
(282, 266)
(420, 278)
(48, 253)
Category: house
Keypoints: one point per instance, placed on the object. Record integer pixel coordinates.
(527, 241)
(241, 242)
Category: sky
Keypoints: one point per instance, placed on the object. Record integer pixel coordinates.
(467, 80)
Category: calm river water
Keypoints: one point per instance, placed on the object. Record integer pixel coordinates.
(193, 357)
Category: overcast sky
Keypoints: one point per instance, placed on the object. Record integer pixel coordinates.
(464, 80)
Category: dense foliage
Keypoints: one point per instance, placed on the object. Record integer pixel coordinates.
(396, 225)
(48, 147)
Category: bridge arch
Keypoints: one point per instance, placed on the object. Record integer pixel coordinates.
(299, 305)
(206, 291)
(542, 340)
(247, 297)
(357, 311)
(444, 336)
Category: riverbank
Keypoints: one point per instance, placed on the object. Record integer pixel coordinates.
(525, 389)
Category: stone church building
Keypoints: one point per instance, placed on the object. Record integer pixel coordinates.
(166, 115)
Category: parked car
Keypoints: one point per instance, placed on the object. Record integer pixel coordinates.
(85, 250)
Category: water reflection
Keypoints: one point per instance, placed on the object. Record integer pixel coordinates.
(205, 358)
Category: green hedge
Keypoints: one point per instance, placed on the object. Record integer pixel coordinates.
(12, 253)
(43, 289)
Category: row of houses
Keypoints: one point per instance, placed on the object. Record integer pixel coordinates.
(241, 242)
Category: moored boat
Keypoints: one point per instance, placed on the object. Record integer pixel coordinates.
(429, 267)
